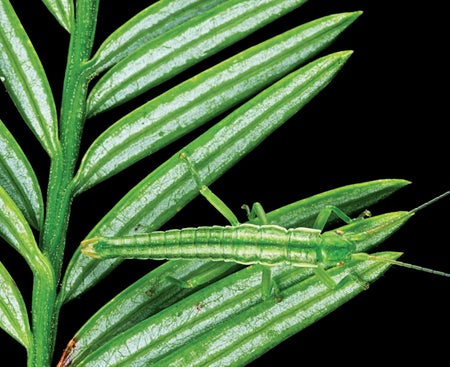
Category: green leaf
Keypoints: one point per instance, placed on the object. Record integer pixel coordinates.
(182, 47)
(25, 80)
(170, 187)
(19, 180)
(203, 97)
(374, 230)
(62, 10)
(199, 335)
(256, 330)
(15, 230)
(13, 313)
(145, 26)
(351, 199)
(154, 292)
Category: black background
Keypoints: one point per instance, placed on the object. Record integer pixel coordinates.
(382, 117)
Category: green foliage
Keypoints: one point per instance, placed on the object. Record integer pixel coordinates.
(251, 94)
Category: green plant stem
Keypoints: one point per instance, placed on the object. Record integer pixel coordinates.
(60, 191)
(44, 326)
(71, 125)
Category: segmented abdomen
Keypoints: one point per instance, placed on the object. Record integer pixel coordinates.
(246, 244)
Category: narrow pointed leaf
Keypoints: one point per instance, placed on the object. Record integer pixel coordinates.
(183, 47)
(205, 96)
(15, 230)
(198, 335)
(351, 199)
(154, 292)
(63, 12)
(253, 332)
(145, 26)
(18, 178)
(362, 233)
(13, 313)
(170, 187)
(25, 80)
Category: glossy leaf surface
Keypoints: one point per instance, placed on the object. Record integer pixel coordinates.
(15, 230)
(25, 80)
(18, 179)
(258, 329)
(145, 26)
(173, 336)
(169, 188)
(182, 47)
(63, 12)
(155, 291)
(203, 97)
(13, 312)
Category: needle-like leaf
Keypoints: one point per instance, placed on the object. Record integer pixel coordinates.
(63, 12)
(13, 313)
(253, 332)
(24, 77)
(145, 26)
(203, 97)
(18, 178)
(15, 229)
(154, 292)
(230, 322)
(170, 187)
(182, 47)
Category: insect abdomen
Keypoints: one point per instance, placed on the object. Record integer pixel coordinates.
(246, 244)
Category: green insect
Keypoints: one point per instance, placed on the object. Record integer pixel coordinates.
(264, 244)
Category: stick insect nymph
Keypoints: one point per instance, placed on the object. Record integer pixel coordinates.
(246, 243)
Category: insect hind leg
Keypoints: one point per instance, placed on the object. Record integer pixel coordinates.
(268, 284)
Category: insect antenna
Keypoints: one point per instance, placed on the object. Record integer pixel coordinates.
(364, 256)
(424, 205)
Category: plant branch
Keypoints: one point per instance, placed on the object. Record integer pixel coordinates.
(44, 325)
(59, 200)
(71, 127)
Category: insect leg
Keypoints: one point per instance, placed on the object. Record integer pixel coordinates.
(267, 283)
(214, 200)
(269, 286)
(257, 211)
(331, 284)
(325, 277)
(325, 213)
